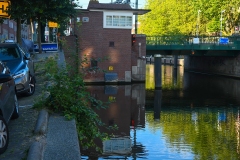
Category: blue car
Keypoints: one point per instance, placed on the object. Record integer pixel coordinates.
(8, 105)
(19, 61)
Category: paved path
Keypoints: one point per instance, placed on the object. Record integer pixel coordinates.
(61, 141)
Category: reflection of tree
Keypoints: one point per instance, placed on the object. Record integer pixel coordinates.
(171, 78)
(207, 141)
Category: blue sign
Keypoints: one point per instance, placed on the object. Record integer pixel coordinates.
(223, 40)
(47, 47)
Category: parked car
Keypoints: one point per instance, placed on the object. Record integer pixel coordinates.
(8, 105)
(21, 66)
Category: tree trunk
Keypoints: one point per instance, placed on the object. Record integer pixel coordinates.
(19, 39)
(39, 35)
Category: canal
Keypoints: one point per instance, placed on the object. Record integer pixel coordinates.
(193, 116)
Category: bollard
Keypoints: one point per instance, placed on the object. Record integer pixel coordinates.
(158, 71)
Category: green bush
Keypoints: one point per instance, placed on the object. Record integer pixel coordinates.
(68, 96)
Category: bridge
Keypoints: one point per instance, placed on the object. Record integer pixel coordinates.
(190, 45)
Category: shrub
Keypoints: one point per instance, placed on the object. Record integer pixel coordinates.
(68, 96)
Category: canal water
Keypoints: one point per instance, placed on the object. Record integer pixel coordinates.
(193, 116)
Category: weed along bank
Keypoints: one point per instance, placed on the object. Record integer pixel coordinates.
(102, 35)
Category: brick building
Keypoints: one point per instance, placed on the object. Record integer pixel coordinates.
(8, 30)
(105, 39)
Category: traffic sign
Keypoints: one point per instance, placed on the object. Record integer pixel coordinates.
(3, 8)
(52, 25)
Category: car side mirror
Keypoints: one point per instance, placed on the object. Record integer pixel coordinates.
(5, 78)
(27, 56)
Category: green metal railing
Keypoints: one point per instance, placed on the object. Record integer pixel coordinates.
(192, 43)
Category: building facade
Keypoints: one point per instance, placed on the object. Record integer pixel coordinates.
(8, 30)
(105, 39)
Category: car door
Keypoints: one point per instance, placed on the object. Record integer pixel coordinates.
(6, 94)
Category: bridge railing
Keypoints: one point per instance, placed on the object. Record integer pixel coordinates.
(187, 40)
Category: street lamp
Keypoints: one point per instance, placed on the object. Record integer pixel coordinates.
(198, 22)
(221, 22)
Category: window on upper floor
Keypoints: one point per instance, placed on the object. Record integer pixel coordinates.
(117, 20)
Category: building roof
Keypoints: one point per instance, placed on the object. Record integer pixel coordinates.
(114, 6)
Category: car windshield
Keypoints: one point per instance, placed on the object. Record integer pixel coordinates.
(8, 53)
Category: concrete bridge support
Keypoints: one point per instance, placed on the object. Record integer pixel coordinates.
(175, 61)
(220, 65)
(158, 71)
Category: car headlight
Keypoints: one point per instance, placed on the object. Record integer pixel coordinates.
(19, 74)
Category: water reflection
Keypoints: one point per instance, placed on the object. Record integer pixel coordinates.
(171, 78)
(126, 110)
(157, 103)
(193, 117)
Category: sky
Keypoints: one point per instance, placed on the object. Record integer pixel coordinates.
(141, 3)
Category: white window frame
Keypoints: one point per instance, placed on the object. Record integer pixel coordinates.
(120, 20)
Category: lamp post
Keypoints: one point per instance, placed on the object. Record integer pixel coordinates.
(221, 22)
(198, 23)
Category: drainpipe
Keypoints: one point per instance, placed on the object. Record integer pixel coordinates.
(136, 17)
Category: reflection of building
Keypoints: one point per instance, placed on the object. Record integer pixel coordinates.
(126, 111)
(117, 145)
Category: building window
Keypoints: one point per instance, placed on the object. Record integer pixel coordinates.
(94, 63)
(117, 20)
(122, 21)
(129, 21)
(111, 44)
(5, 21)
(10, 24)
(85, 19)
(109, 20)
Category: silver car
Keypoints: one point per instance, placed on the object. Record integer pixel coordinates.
(8, 105)
(21, 66)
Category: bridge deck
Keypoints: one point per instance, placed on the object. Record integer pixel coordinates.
(192, 43)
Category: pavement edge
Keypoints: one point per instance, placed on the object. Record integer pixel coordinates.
(36, 149)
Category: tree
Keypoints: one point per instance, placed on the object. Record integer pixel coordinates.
(40, 11)
(181, 17)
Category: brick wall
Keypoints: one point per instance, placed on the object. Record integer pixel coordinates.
(95, 42)
(69, 45)
(138, 58)
(139, 48)
(8, 30)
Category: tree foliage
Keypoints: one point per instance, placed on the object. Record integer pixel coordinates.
(171, 17)
(40, 11)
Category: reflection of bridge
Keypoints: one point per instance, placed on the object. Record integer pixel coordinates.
(189, 45)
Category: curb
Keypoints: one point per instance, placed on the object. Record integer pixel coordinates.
(35, 151)
(41, 125)
(37, 147)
